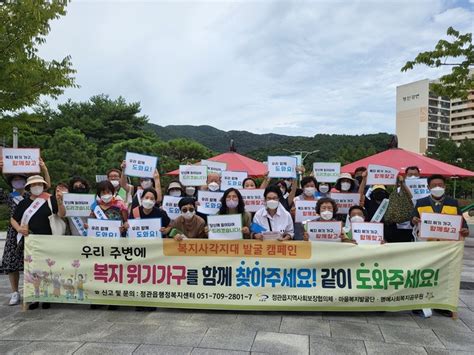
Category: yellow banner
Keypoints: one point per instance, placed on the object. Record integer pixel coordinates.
(243, 274)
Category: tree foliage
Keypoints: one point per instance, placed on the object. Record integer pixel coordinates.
(24, 76)
(459, 53)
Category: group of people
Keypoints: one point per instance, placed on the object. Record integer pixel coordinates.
(34, 210)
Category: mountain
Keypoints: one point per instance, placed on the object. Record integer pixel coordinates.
(216, 139)
(330, 147)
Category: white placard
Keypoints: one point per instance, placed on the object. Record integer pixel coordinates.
(440, 226)
(271, 235)
(326, 172)
(170, 206)
(418, 187)
(232, 179)
(209, 202)
(367, 232)
(281, 167)
(253, 199)
(381, 175)
(345, 201)
(99, 178)
(147, 228)
(140, 165)
(78, 205)
(21, 160)
(324, 231)
(227, 227)
(193, 175)
(103, 228)
(305, 210)
(214, 166)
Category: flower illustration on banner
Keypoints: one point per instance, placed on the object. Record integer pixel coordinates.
(28, 259)
(75, 264)
(50, 263)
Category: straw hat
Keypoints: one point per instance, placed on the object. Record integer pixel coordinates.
(36, 179)
(346, 176)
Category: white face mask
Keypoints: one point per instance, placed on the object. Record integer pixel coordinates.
(288, 183)
(357, 219)
(437, 191)
(213, 186)
(412, 177)
(37, 190)
(324, 189)
(148, 204)
(345, 186)
(115, 183)
(326, 215)
(272, 204)
(190, 190)
(232, 203)
(175, 193)
(146, 184)
(309, 191)
(106, 198)
(188, 215)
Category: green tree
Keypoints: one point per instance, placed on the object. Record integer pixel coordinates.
(24, 76)
(459, 53)
(445, 150)
(68, 154)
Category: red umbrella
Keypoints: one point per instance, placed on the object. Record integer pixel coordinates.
(237, 162)
(401, 159)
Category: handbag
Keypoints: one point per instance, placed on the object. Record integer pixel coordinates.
(400, 207)
(58, 226)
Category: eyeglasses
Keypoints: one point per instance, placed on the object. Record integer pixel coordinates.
(184, 210)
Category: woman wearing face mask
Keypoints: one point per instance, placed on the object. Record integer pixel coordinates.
(324, 189)
(233, 203)
(345, 183)
(78, 185)
(286, 195)
(175, 189)
(35, 220)
(109, 206)
(274, 217)
(12, 262)
(188, 224)
(326, 208)
(308, 183)
(149, 209)
(357, 214)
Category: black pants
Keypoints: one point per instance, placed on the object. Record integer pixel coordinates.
(395, 235)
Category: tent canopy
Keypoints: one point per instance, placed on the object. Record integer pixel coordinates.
(237, 162)
(401, 159)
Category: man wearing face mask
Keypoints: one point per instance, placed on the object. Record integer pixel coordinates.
(412, 172)
(213, 182)
(438, 202)
(273, 216)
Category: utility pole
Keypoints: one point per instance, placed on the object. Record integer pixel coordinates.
(15, 137)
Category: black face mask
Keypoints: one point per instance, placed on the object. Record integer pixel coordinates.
(379, 195)
(80, 190)
(359, 179)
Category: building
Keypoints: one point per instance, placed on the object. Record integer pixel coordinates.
(422, 117)
(462, 118)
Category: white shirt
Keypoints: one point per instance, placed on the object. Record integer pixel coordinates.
(281, 221)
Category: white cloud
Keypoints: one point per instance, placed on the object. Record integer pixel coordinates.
(284, 67)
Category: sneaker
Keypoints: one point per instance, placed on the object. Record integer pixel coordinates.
(14, 299)
(33, 305)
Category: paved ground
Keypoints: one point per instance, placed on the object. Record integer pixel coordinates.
(67, 329)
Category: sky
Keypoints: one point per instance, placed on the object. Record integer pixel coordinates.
(286, 67)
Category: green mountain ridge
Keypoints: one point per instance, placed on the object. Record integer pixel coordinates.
(332, 147)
